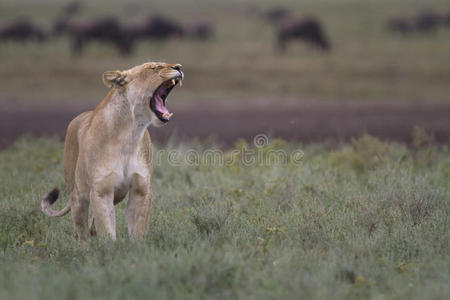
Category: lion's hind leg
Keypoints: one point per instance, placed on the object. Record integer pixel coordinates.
(80, 215)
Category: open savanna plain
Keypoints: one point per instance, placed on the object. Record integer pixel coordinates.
(241, 62)
(238, 83)
(364, 220)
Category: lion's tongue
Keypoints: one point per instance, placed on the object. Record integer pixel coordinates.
(159, 105)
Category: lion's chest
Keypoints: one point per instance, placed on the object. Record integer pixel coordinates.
(121, 167)
(126, 166)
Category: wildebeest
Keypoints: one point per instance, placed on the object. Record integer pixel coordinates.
(199, 30)
(21, 30)
(155, 27)
(427, 21)
(424, 22)
(309, 30)
(106, 29)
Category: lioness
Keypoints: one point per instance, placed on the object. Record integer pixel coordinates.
(107, 152)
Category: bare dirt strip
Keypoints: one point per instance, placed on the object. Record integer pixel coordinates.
(229, 121)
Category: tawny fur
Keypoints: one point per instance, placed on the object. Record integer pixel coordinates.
(108, 154)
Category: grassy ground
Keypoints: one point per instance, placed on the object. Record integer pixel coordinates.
(367, 62)
(366, 220)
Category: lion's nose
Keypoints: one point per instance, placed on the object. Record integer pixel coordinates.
(177, 67)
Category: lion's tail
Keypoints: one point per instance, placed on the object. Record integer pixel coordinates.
(47, 202)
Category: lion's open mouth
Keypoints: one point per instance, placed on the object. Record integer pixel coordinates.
(158, 100)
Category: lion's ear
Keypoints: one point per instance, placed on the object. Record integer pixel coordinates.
(114, 78)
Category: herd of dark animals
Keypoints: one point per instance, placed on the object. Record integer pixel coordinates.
(22, 30)
(310, 30)
(288, 28)
(424, 22)
(104, 29)
(124, 36)
(109, 29)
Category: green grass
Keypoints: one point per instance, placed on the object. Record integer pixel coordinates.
(364, 220)
(367, 62)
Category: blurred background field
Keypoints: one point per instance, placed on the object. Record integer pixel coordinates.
(240, 62)
(238, 82)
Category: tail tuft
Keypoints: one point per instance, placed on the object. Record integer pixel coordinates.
(52, 196)
(47, 202)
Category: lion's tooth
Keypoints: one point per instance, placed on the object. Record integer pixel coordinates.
(167, 115)
(180, 81)
(173, 82)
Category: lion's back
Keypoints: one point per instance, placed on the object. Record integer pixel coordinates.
(71, 147)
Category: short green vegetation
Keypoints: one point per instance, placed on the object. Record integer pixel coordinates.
(363, 220)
